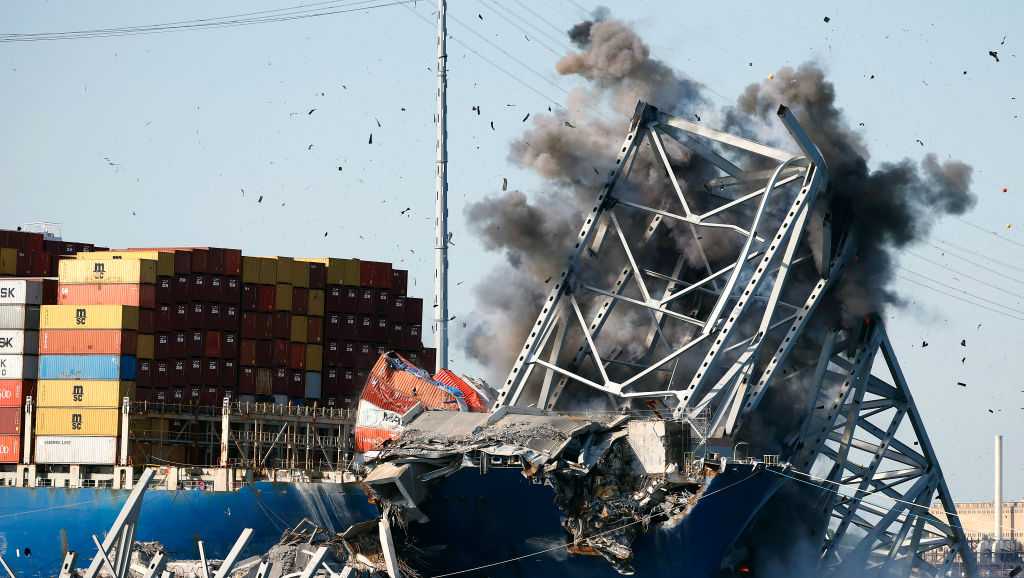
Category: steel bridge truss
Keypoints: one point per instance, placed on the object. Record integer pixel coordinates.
(713, 283)
(866, 445)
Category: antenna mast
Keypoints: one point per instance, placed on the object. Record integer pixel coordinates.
(441, 195)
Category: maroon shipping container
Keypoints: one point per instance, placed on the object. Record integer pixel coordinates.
(232, 290)
(196, 344)
(429, 358)
(216, 288)
(341, 298)
(248, 298)
(231, 319)
(331, 381)
(366, 355)
(315, 330)
(144, 373)
(366, 301)
(378, 329)
(199, 287)
(349, 354)
(382, 301)
(229, 345)
(211, 395)
(228, 372)
(397, 312)
(211, 371)
(397, 337)
(296, 383)
(232, 262)
(247, 352)
(193, 371)
(415, 336)
(214, 317)
(375, 274)
(147, 321)
(332, 353)
(200, 260)
(414, 310)
(297, 356)
(282, 325)
(165, 290)
(265, 295)
(257, 325)
(10, 420)
(179, 344)
(182, 283)
(215, 260)
(317, 275)
(247, 380)
(213, 345)
(178, 374)
(300, 300)
(279, 381)
(399, 282)
(280, 357)
(162, 346)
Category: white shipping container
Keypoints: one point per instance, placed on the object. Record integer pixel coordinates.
(18, 342)
(76, 450)
(19, 366)
(19, 317)
(21, 291)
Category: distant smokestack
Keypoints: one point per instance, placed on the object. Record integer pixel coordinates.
(998, 506)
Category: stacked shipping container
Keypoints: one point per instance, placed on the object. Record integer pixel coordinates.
(257, 351)
(32, 254)
(90, 344)
(20, 301)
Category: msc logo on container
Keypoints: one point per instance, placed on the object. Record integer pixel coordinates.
(80, 315)
(99, 269)
(78, 393)
(76, 421)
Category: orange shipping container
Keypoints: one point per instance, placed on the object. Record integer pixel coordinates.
(10, 420)
(133, 294)
(10, 449)
(87, 341)
(13, 391)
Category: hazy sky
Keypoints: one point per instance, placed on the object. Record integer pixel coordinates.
(151, 140)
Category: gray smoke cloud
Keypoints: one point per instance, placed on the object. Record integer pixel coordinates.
(573, 149)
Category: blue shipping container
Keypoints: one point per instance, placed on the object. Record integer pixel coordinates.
(87, 367)
(312, 385)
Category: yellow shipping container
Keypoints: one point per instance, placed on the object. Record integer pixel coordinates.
(8, 261)
(299, 329)
(164, 260)
(284, 269)
(70, 421)
(107, 271)
(283, 297)
(314, 358)
(67, 393)
(268, 271)
(89, 316)
(252, 268)
(300, 274)
(144, 346)
(315, 303)
(339, 271)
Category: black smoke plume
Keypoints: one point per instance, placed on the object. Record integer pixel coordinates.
(572, 149)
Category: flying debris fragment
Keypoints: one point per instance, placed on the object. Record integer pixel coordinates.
(504, 183)
(924, 344)
(371, 139)
(963, 343)
(994, 54)
(827, 20)
(1016, 569)
(259, 200)
(569, 124)
(378, 123)
(526, 117)
(919, 141)
(492, 125)
(961, 384)
(311, 111)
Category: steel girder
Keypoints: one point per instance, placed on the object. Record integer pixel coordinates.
(865, 445)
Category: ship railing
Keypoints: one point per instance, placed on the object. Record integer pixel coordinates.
(771, 459)
(255, 409)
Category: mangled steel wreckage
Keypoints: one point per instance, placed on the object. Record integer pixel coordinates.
(688, 363)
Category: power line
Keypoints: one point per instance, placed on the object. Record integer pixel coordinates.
(281, 15)
(558, 37)
(558, 31)
(958, 298)
(961, 273)
(501, 13)
(976, 254)
(993, 233)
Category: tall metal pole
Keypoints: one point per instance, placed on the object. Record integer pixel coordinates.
(441, 195)
(997, 506)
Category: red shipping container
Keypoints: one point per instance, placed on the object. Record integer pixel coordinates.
(194, 370)
(14, 391)
(232, 290)
(229, 345)
(382, 301)
(214, 342)
(429, 358)
(257, 325)
(40, 266)
(211, 371)
(414, 310)
(165, 290)
(181, 288)
(176, 373)
(280, 355)
(133, 294)
(366, 355)
(349, 383)
(161, 373)
(144, 373)
(332, 353)
(397, 335)
(199, 287)
(399, 282)
(315, 330)
(282, 325)
(365, 328)
(375, 274)
(349, 354)
(341, 298)
(147, 321)
(332, 325)
(179, 344)
(216, 289)
(366, 302)
(10, 449)
(215, 260)
(87, 341)
(317, 275)
(164, 317)
(247, 380)
(331, 381)
(196, 344)
(381, 328)
(247, 352)
(300, 300)
(232, 262)
(265, 295)
(397, 312)
(10, 420)
(279, 381)
(211, 395)
(248, 298)
(162, 347)
(296, 383)
(297, 356)
(200, 260)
